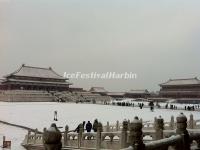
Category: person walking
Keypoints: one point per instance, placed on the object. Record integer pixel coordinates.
(55, 116)
(95, 125)
(79, 126)
(88, 126)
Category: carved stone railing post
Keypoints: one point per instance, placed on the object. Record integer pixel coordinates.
(80, 135)
(107, 127)
(182, 130)
(191, 122)
(129, 122)
(98, 138)
(154, 124)
(136, 135)
(66, 135)
(35, 135)
(52, 138)
(124, 134)
(159, 127)
(117, 125)
(4, 138)
(172, 124)
(28, 136)
(44, 130)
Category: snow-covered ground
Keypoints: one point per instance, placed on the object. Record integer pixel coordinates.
(40, 115)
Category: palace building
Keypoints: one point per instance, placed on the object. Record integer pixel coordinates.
(181, 88)
(144, 93)
(34, 78)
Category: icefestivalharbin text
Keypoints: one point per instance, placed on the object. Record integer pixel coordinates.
(96, 75)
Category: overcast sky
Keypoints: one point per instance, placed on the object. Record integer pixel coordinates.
(156, 39)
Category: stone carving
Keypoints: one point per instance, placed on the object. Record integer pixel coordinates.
(52, 138)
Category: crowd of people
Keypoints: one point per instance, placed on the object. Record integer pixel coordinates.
(194, 107)
(88, 126)
(141, 105)
(186, 107)
(170, 106)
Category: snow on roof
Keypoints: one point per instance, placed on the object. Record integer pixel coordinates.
(98, 89)
(144, 91)
(29, 71)
(188, 81)
(115, 93)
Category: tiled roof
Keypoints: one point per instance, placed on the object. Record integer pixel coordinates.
(138, 92)
(98, 89)
(115, 93)
(29, 71)
(189, 81)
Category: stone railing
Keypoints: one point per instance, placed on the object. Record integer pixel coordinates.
(183, 140)
(131, 135)
(147, 125)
